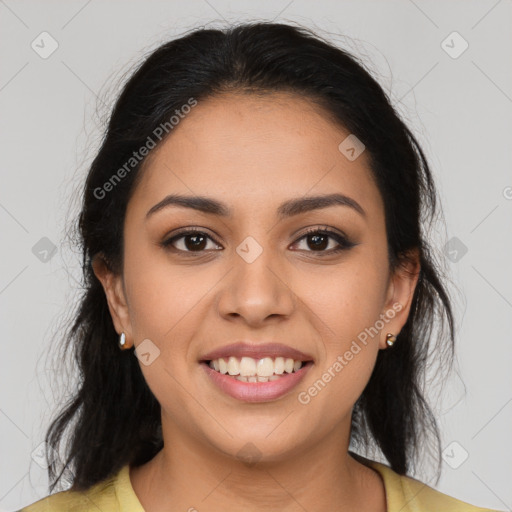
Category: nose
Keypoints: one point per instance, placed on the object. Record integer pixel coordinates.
(256, 291)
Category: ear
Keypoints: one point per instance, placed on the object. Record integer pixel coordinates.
(402, 284)
(116, 298)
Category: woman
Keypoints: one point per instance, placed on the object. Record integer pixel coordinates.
(251, 233)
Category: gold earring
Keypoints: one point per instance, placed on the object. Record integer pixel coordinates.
(122, 342)
(390, 339)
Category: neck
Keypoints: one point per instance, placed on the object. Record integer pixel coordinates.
(189, 475)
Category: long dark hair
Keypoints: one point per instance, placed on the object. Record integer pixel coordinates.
(112, 418)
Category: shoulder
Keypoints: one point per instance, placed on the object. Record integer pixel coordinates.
(105, 495)
(407, 494)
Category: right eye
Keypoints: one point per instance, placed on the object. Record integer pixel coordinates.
(191, 240)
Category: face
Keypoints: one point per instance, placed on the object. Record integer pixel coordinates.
(270, 265)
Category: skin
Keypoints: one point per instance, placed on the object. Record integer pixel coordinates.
(253, 153)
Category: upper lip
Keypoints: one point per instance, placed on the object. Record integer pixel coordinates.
(256, 351)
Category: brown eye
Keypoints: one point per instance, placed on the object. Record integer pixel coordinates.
(321, 241)
(318, 240)
(190, 241)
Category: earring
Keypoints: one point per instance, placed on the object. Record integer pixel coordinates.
(390, 339)
(122, 341)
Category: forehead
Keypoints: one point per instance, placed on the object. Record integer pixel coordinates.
(256, 149)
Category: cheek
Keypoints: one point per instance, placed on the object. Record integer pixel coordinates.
(347, 304)
(161, 295)
(347, 299)
(165, 307)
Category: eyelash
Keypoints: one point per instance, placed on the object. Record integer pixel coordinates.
(344, 243)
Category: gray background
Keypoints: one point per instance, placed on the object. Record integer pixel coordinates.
(458, 104)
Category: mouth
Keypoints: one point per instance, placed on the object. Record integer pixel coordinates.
(256, 380)
(248, 369)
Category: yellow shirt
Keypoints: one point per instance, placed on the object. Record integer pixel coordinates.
(116, 494)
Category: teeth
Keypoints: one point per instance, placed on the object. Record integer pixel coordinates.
(279, 366)
(257, 379)
(248, 369)
(247, 366)
(223, 366)
(265, 367)
(233, 366)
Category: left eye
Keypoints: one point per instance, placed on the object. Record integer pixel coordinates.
(319, 241)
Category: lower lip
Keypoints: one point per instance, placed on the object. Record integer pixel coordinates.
(257, 391)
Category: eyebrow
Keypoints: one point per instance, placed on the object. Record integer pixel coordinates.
(287, 209)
